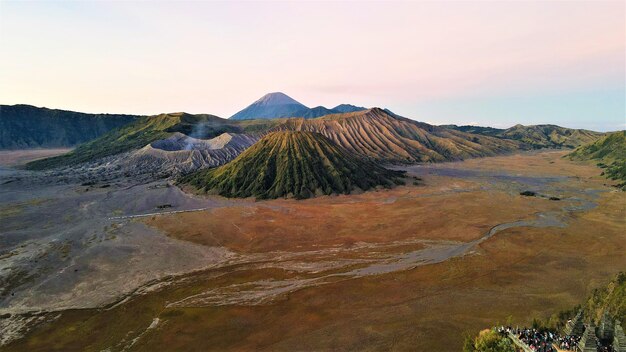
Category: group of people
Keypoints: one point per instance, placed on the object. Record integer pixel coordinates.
(568, 342)
(537, 340)
(544, 341)
(541, 341)
(604, 348)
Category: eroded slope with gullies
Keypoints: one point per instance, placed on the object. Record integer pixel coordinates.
(292, 164)
(376, 134)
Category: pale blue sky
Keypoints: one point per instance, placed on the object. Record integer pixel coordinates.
(487, 63)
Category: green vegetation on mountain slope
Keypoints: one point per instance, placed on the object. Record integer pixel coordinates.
(610, 300)
(536, 136)
(610, 153)
(550, 136)
(25, 127)
(133, 136)
(292, 164)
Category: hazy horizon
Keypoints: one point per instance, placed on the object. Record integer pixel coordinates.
(488, 64)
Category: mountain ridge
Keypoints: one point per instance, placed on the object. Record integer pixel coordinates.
(25, 126)
(375, 134)
(372, 134)
(536, 136)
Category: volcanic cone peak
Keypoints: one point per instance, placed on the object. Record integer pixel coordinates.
(271, 105)
(276, 98)
(293, 164)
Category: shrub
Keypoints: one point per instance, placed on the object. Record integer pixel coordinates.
(491, 341)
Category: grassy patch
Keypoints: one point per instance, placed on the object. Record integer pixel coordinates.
(610, 152)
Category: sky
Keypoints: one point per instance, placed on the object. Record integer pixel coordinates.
(481, 63)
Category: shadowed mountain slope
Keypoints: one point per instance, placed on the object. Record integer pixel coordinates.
(376, 134)
(610, 152)
(26, 126)
(292, 164)
(536, 136)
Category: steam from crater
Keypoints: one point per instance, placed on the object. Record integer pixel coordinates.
(198, 132)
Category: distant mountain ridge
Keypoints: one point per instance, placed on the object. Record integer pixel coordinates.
(342, 108)
(536, 136)
(370, 134)
(280, 105)
(27, 126)
(375, 134)
(487, 131)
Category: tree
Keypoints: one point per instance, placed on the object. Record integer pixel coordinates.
(491, 341)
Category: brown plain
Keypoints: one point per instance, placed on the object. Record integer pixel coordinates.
(519, 274)
(19, 157)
